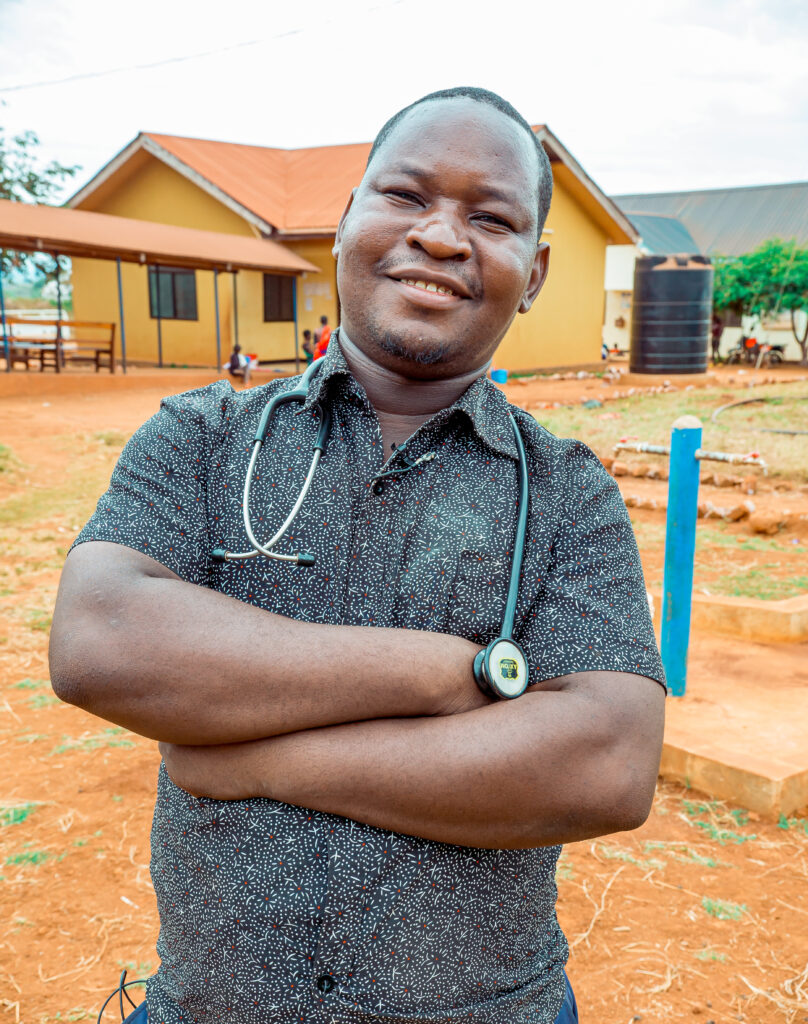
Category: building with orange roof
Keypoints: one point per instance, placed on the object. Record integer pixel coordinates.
(295, 198)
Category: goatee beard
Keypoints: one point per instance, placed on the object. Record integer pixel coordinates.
(410, 350)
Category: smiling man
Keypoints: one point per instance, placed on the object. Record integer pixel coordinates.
(348, 827)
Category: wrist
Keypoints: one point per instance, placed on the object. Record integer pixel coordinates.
(455, 690)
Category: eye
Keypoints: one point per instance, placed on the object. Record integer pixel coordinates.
(493, 220)
(409, 197)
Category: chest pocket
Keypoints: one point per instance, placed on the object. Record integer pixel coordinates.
(454, 566)
(480, 587)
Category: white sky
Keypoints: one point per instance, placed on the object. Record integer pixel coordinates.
(649, 95)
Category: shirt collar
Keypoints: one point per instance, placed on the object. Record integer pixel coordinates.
(482, 402)
(333, 365)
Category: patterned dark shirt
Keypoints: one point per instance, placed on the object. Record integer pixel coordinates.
(276, 913)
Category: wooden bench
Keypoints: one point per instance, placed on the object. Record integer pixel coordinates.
(94, 342)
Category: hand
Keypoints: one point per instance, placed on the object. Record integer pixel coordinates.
(227, 772)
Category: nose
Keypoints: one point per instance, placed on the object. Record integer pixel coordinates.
(441, 234)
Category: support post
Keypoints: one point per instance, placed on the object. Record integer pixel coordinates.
(120, 317)
(235, 308)
(294, 315)
(6, 341)
(58, 353)
(159, 316)
(218, 327)
(680, 550)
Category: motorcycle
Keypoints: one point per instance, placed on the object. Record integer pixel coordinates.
(750, 350)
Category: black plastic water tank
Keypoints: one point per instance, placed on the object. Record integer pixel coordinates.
(671, 313)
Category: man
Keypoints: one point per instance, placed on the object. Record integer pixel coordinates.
(371, 838)
(716, 331)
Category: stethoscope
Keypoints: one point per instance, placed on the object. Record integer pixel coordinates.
(501, 669)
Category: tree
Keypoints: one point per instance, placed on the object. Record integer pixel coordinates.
(24, 179)
(771, 279)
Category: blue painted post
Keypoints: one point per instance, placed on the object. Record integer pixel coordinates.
(218, 327)
(120, 317)
(6, 341)
(294, 317)
(680, 550)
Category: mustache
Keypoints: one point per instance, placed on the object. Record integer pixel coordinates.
(452, 267)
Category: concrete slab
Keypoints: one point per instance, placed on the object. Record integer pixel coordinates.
(748, 618)
(741, 731)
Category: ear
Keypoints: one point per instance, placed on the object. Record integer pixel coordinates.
(338, 240)
(538, 275)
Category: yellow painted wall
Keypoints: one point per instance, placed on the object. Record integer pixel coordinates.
(563, 328)
(158, 193)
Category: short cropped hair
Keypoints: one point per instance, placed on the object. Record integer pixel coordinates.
(545, 182)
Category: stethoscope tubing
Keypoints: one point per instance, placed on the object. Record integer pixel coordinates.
(298, 394)
(519, 537)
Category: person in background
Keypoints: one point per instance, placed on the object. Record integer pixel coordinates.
(716, 330)
(239, 365)
(322, 336)
(308, 348)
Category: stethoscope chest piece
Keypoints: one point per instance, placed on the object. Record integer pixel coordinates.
(501, 669)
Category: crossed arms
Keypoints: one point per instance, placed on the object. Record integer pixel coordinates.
(385, 726)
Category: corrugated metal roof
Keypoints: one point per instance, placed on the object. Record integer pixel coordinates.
(101, 236)
(662, 235)
(731, 221)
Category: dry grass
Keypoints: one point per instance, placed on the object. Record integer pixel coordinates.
(649, 418)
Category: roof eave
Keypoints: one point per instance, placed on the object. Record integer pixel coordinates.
(145, 142)
(610, 208)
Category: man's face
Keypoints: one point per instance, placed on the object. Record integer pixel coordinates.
(437, 249)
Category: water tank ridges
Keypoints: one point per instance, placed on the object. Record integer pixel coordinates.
(671, 313)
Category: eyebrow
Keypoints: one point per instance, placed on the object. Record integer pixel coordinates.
(484, 191)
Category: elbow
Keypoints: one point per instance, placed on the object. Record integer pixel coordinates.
(69, 674)
(75, 658)
(634, 810)
(629, 799)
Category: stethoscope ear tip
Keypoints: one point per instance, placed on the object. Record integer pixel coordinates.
(218, 555)
(306, 559)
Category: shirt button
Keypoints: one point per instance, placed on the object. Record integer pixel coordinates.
(378, 488)
(325, 983)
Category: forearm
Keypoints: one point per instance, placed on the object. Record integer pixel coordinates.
(550, 767)
(184, 664)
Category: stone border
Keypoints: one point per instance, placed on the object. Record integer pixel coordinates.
(764, 785)
(748, 617)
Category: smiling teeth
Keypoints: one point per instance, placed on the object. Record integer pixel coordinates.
(427, 286)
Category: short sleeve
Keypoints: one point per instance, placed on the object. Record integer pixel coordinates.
(591, 613)
(156, 501)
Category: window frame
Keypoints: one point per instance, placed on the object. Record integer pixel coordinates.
(278, 317)
(157, 274)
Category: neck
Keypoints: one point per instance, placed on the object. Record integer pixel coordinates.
(391, 393)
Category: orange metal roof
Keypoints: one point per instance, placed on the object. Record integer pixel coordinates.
(101, 236)
(294, 190)
(303, 191)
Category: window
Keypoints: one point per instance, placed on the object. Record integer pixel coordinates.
(279, 303)
(172, 293)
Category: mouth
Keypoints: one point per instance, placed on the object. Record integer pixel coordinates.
(438, 288)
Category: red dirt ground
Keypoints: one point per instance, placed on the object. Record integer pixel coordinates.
(700, 914)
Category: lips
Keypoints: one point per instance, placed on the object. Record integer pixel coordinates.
(427, 286)
(431, 283)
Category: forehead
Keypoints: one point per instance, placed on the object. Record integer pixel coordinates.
(441, 136)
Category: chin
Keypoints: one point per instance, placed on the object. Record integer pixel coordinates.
(408, 343)
(420, 351)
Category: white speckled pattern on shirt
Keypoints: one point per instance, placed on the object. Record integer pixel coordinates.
(275, 913)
